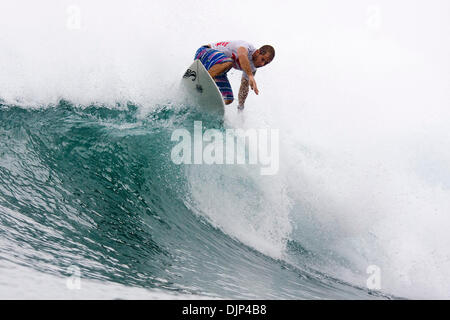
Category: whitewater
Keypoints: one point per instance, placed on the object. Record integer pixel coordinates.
(92, 205)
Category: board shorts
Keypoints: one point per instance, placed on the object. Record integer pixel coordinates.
(210, 57)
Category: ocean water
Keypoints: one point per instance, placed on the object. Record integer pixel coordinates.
(92, 205)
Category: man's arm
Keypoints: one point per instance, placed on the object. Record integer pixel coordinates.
(243, 93)
(245, 65)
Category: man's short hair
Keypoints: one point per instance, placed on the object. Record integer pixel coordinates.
(267, 49)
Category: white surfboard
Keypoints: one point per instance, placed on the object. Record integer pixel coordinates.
(201, 89)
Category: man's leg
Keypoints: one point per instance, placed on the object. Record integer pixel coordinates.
(225, 88)
(218, 69)
(217, 64)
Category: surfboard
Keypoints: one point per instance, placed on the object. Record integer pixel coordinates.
(201, 89)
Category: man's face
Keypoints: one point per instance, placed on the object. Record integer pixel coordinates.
(260, 60)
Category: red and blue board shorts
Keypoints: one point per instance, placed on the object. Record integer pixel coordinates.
(210, 57)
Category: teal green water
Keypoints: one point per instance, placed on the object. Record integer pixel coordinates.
(95, 187)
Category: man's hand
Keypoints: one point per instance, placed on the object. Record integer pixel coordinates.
(252, 83)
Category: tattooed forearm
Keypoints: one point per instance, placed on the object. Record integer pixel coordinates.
(243, 91)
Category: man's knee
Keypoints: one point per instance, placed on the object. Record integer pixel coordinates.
(220, 69)
(228, 65)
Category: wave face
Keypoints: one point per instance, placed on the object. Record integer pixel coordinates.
(89, 102)
(96, 188)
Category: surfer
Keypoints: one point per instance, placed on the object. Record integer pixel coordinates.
(218, 58)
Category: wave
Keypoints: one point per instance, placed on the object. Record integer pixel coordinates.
(94, 187)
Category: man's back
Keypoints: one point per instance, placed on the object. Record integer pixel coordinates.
(229, 48)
